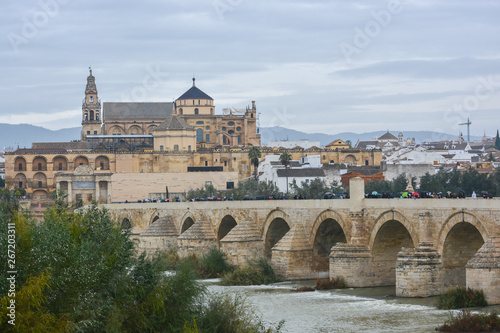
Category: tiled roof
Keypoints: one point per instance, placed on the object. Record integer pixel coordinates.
(59, 145)
(364, 144)
(131, 110)
(388, 136)
(194, 93)
(173, 122)
(306, 172)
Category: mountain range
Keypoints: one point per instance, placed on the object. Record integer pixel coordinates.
(22, 135)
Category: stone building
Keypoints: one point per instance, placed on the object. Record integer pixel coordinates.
(162, 139)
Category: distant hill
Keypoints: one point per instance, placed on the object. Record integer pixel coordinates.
(24, 134)
(281, 133)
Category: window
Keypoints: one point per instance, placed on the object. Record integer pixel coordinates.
(207, 137)
(95, 132)
(91, 114)
(207, 128)
(97, 116)
(239, 139)
(196, 111)
(91, 99)
(366, 162)
(238, 128)
(161, 148)
(60, 166)
(88, 132)
(101, 164)
(230, 131)
(86, 116)
(251, 115)
(176, 147)
(229, 185)
(180, 111)
(199, 123)
(230, 123)
(189, 148)
(223, 128)
(225, 163)
(244, 166)
(20, 166)
(20, 184)
(39, 166)
(198, 102)
(206, 163)
(199, 135)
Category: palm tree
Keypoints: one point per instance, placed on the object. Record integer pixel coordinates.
(254, 155)
(285, 159)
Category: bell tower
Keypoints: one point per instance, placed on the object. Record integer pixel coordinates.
(91, 109)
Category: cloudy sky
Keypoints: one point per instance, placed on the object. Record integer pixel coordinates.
(311, 65)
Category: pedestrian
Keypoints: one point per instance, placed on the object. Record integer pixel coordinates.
(473, 194)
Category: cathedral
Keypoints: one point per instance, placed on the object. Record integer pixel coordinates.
(188, 124)
(130, 151)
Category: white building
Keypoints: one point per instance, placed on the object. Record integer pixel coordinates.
(305, 170)
(306, 144)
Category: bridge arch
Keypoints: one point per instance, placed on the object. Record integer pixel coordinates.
(186, 222)
(225, 226)
(154, 218)
(460, 238)
(126, 224)
(391, 232)
(328, 229)
(275, 227)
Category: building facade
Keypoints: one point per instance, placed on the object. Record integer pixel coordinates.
(158, 138)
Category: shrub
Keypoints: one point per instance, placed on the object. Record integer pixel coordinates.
(466, 321)
(335, 283)
(230, 314)
(213, 264)
(461, 297)
(255, 272)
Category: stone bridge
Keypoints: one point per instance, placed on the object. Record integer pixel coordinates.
(423, 246)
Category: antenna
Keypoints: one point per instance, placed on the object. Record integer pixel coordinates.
(468, 123)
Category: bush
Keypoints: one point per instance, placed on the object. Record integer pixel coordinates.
(335, 283)
(255, 272)
(230, 314)
(213, 264)
(465, 321)
(461, 297)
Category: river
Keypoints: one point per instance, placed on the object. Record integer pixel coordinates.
(346, 310)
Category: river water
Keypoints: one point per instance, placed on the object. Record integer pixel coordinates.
(347, 310)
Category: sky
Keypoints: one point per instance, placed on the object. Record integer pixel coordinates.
(316, 66)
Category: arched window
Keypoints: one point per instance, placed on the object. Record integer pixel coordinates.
(199, 135)
(180, 111)
(86, 116)
(196, 111)
(189, 148)
(91, 99)
(97, 116)
(91, 115)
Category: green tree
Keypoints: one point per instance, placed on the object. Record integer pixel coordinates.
(315, 189)
(497, 141)
(2, 182)
(254, 155)
(491, 158)
(251, 188)
(285, 159)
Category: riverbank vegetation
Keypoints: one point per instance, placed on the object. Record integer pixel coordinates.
(460, 297)
(335, 283)
(79, 272)
(466, 321)
(255, 272)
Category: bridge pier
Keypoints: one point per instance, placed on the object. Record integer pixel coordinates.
(292, 256)
(419, 272)
(353, 263)
(196, 240)
(243, 243)
(483, 270)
